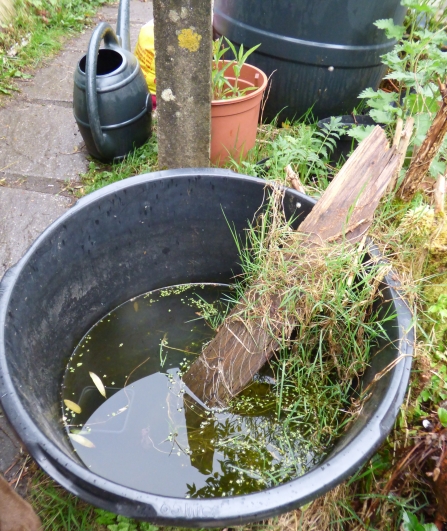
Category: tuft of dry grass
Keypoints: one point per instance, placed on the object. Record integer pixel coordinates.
(321, 299)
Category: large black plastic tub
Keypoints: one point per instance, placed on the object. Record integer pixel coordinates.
(323, 52)
(141, 234)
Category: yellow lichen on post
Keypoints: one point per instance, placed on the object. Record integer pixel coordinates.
(189, 39)
(183, 40)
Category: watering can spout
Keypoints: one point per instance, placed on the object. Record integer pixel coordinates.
(122, 25)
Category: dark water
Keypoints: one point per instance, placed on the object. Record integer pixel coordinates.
(148, 432)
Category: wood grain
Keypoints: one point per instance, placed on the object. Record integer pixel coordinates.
(426, 153)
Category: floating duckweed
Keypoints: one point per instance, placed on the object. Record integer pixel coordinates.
(150, 419)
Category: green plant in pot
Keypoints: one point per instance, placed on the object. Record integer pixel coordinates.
(238, 89)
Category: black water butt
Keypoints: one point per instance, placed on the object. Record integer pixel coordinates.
(141, 234)
(323, 52)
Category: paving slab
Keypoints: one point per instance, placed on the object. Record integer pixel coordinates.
(10, 446)
(40, 149)
(54, 82)
(23, 216)
(40, 140)
(139, 12)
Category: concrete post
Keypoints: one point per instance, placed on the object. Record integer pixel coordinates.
(183, 44)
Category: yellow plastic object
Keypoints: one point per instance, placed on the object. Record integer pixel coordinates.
(145, 52)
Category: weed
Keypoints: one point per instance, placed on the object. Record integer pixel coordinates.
(411, 523)
(116, 522)
(442, 414)
(213, 314)
(141, 160)
(415, 64)
(302, 146)
(223, 88)
(439, 309)
(37, 31)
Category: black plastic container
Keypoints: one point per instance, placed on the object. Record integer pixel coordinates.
(323, 52)
(141, 234)
(345, 144)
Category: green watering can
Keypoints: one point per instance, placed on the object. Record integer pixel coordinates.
(111, 102)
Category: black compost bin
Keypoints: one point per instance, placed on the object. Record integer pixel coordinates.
(323, 52)
(345, 144)
(141, 234)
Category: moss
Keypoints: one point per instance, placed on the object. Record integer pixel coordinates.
(437, 269)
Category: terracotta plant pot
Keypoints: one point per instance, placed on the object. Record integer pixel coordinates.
(234, 121)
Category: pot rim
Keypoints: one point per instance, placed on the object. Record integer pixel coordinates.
(211, 512)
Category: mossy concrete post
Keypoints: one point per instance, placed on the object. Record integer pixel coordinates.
(183, 44)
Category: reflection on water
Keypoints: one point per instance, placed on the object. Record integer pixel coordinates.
(148, 432)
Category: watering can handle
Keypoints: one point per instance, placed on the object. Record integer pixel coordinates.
(102, 31)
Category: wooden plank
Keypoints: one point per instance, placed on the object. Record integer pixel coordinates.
(348, 204)
(229, 362)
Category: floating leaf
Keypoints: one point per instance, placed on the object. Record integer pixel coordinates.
(73, 406)
(98, 382)
(83, 441)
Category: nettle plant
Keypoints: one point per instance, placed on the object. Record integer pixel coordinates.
(416, 65)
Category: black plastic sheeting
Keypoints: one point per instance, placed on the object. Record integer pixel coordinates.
(140, 234)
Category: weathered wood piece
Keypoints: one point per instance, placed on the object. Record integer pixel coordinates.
(427, 152)
(347, 206)
(183, 44)
(440, 489)
(15, 512)
(229, 362)
(401, 141)
(294, 179)
(242, 345)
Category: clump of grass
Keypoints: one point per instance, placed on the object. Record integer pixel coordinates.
(366, 501)
(323, 298)
(141, 160)
(38, 30)
(57, 508)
